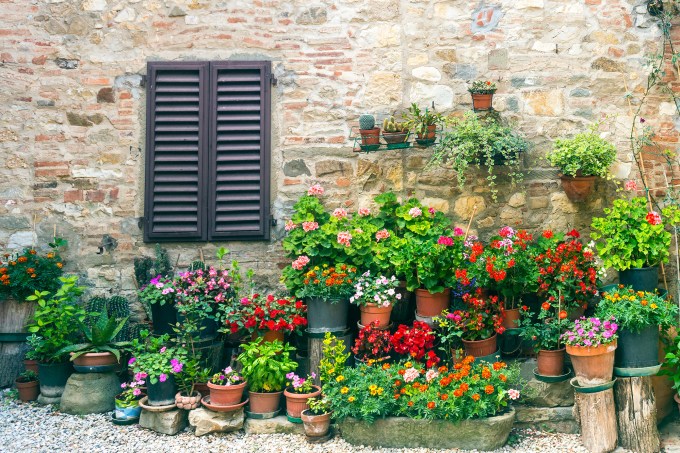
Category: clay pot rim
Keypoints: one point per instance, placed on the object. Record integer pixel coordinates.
(375, 308)
(302, 396)
(197, 393)
(26, 384)
(374, 131)
(564, 177)
(589, 351)
(553, 351)
(479, 341)
(280, 392)
(446, 291)
(225, 387)
(676, 397)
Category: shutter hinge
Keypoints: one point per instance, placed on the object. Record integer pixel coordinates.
(273, 80)
(273, 221)
(142, 82)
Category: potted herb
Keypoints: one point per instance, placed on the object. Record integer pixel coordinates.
(127, 401)
(424, 123)
(370, 135)
(633, 240)
(545, 331)
(226, 388)
(372, 344)
(394, 132)
(100, 352)
(474, 141)
(28, 386)
(581, 160)
(590, 344)
(480, 322)
(482, 92)
(299, 391)
(159, 296)
(265, 366)
(267, 316)
(316, 420)
(375, 297)
(639, 315)
(415, 342)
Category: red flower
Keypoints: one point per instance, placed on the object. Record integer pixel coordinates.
(545, 306)
(575, 234)
(653, 218)
(548, 234)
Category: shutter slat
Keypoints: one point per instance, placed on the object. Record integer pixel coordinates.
(239, 137)
(241, 117)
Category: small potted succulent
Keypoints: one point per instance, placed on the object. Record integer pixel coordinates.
(482, 92)
(127, 401)
(424, 123)
(394, 132)
(581, 160)
(28, 385)
(298, 393)
(226, 388)
(370, 135)
(591, 343)
(317, 419)
(375, 297)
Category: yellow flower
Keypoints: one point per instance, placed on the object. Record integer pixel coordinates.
(351, 399)
(372, 387)
(331, 371)
(340, 378)
(344, 390)
(653, 306)
(380, 390)
(408, 365)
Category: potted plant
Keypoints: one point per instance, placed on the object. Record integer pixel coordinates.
(31, 357)
(265, 366)
(424, 123)
(316, 420)
(483, 142)
(157, 363)
(479, 322)
(415, 342)
(99, 352)
(633, 240)
(372, 344)
(298, 392)
(581, 159)
(159, 296)
(23, 273)
(267, 316)
(639, 315)
(370, 135)
(394, 132)
(482, 92)
(28, 386)
(671, 366)
(375, 297)
(590, 344)
(450, 335)
(545, 331)
(187, 396)
(202, 377)
(127, 401)
(226, 388)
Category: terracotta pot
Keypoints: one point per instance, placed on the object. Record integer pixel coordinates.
(315, 425)
(370, 136)
(482, 101)
(269, 335)
(577, 188)
(551, 362)
(31, 365)
(264, 403)
(511, 318)
(297, 402)
(226, 395)
(188, 402)
(429, 304)
(372, 312)
(28, 391)
(429, 135)
(593, 366)
(394, 137)
(481, 348)
(95, 359)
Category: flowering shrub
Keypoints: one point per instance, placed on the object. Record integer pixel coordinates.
(259, 313)
(297, 384)
(227, 377)
(200, 293)
(160, 290)
(131, 393)
(328, 282)
(481, 319)
(630, 236)
(544, 329)
(433, 260)
(637, 310)
(153, 361)
(22, 274)
(375, 290)
(372, 344)
(406, 389)
(591, 332)
(415, 342)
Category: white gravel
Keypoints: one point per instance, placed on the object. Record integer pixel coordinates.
(33, 428)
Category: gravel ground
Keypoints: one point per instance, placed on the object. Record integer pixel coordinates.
(33, 428)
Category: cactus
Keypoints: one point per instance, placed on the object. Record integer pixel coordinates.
(196, 265)
(162, 264)
(143, 268)
(390, 125)
(96, 304)
(118, 308)
(366, 122)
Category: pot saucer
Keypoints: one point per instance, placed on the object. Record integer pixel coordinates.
(593, 388)
(215, 408)
(143, 404)
(552, 379)
(637, 372)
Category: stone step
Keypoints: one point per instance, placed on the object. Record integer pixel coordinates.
(549, 419)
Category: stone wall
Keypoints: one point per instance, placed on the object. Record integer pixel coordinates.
(73, 105)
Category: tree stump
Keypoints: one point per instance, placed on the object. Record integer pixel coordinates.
(597, 417)
(636, 414)
(316, 350)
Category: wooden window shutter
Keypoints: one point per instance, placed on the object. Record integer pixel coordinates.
(176, 151)
(240, 117)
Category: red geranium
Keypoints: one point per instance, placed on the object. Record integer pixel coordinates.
(372, 344)
(415, 341)
(267, 313)
(481, 319)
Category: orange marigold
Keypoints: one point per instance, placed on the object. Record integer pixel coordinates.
(410, 404)
(32, 252)
(33, 276)
(431, 405)
(22, 259)
(486, 373)
(458, 393)
(50, 255)
(402, 391)
(488, 389)
(498, 365)
(397, 383)
(59, 265)
(443, 369)
(457, 366)
(444, 397)
(464, 387)
(503, 377)
(475, 396)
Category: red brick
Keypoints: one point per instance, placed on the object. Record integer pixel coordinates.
(26, 70)
(234, 20)
(48, 138)
(291, 181)
(52, 172)
(6, 57)
(343, 182)
(71, 196)
(113, 194)
(49, 163)
(95, 195)
(40, 60)
(97, 81)
(125, 95)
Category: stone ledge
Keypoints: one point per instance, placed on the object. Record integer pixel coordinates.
(205, 421)
(169, 422)
(276, 425)
(550, 419)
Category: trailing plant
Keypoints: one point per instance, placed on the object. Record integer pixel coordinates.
(586, 154)
(24, 273)
(265, 365)
(637, 310)
(99, 337)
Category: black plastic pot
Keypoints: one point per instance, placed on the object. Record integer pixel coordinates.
(53, 377)
(637, 349)
(164, 317)
(324, 316)
(207, 327)
(162, 393)
(641, 279)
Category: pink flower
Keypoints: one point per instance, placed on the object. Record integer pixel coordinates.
(316, 189)
(290, 225)
(507, 232)
(163, 349)
(340, 213)
(123, 385)
(364, 212)
(310, 226)
(458, 231)
(411, 375)
(382, 234)
(300, 262)
(513, 394)
(132, 360)
(163, 377)
(432, 211)
(137, 392)
(415, 212)
(654, 218)
(445, 240)
(431, 374)
(630, 185)
(344, 238)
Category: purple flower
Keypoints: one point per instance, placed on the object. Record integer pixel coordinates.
(614, 327)
(132, 360)
(123, 385)
(163, 377)
(587, 342)
(290, 375)
(607, 334)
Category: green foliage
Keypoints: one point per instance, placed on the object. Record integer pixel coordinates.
(334, 358)
(153, 356)
(27, 376)
(57, 319)
(22, 274)
(118, 307)
(587, 154)
(482, 142)
(162, 263)
(482, 87)
(671, 367)
(265, 365)
(147, 268)
(544, 329)
(366, 122)
(319, 406)
(392, 126)
(96, 304)
(143, 270)
(637, 310)
(626, 238)
(196, 265)
(100, 337)
(419, 120)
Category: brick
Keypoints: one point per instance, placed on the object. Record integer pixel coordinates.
(71, 196)
(49, 163)
(96, 81)
(52, 172)
(97, 196)
(39, 60)
(291, 181)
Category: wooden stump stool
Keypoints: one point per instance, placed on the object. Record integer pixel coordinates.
(636, 414)
(596, 414)
(316, 349)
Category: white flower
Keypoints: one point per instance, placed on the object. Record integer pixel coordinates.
(390, 291)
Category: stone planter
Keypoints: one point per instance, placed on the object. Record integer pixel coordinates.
(188, 402)
(401, 432)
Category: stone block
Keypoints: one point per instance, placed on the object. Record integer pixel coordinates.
(169, 422)
(446, 55)
(427, 73)
(460, 71)
(544, 103)
(498, 59)
(556, 419)
(315, 15)
(464, 206)
(383, 88)
(105, 95)
(608, 65)
(517, 200)
(295, 168)
(333, 167)
(89, 393)
(425, 94)
(543, 394)
(276, 425)
(206, 422)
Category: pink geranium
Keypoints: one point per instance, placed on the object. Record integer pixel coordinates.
(344, 238)
(300, 262)
(653, 218)
(382, 234)
(445, 240)
(290, 225)
(340, 213)
(316, 189)
(364, 212)
(630, 185)
(415, 212)
(310, 226)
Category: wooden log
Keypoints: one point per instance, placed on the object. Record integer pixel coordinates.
(636, 414)
(14, 316)
(316, 350)
(596, 415)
